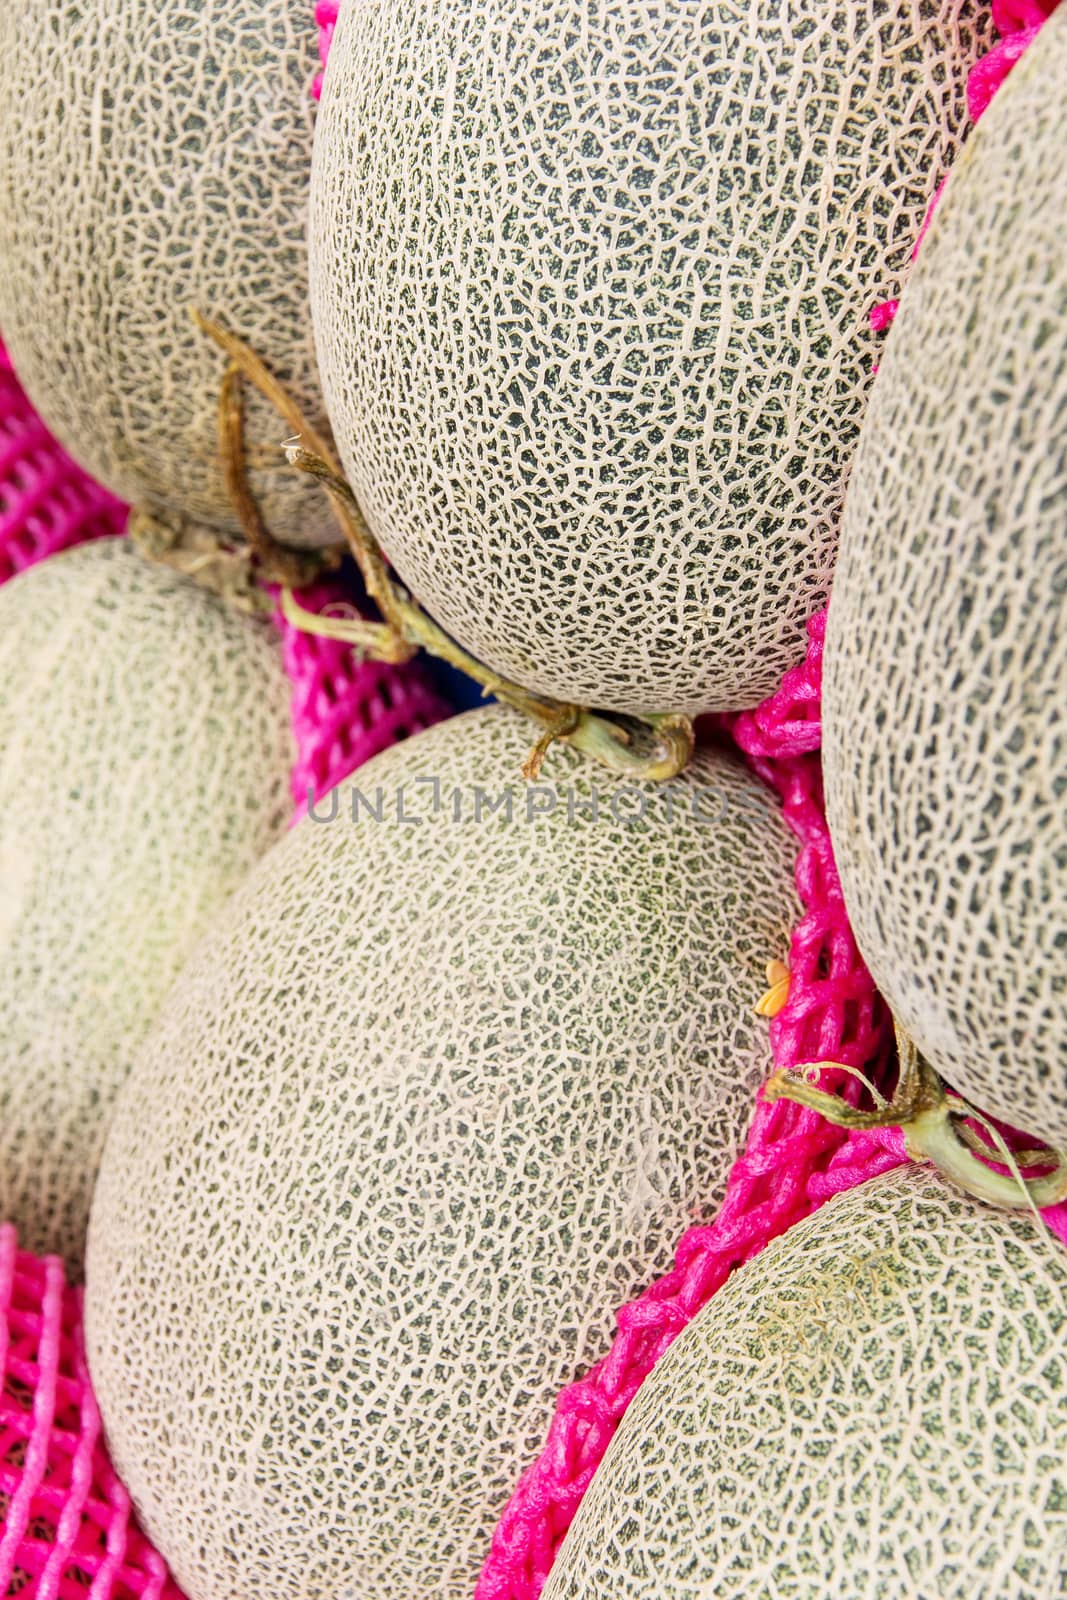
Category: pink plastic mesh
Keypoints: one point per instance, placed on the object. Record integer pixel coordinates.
(47, 503)
(792, 1162)
(345, 710)
(326, 17)
(68, 1530)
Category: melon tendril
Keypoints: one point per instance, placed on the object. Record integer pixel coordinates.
(366, 638)
(564, 725)
(1000, 1147)
(933, 1122)
(405, 626)
(813, 1070)
(235, 572)
(271, 560)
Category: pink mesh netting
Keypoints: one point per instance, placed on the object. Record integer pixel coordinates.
(47, 503)
(67, 1527)
(345, 710)
(793, 1160)
(326, 17)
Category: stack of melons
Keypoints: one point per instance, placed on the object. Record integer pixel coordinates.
(877, 1406)
(461, 1057)
(145, 745)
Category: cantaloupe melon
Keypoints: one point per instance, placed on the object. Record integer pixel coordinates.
(432, 1100)
(945, 685)
(874, 1408)
(155, 155)
(590, 287)
(144, 759)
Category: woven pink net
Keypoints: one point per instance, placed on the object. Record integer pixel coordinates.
(345, 710)
(47, 503)
(326, 17)
(793, 1159)
(68, 1527)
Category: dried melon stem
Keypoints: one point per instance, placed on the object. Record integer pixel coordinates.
(406, 628)
(202, 555)
(233, 571)
(933, 1121)
(272, 561)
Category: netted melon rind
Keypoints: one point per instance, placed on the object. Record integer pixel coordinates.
(431, 1102)
(945, 681)
(144, 762)
(590, 288)
(156, 156)
(875, 1407)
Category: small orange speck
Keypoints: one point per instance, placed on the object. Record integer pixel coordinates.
(778, 992)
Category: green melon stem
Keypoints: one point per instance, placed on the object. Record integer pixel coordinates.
(406, 627)
(932, 1122)
(932, 1136)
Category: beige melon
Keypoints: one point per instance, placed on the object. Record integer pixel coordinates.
(144, 760)
(590, 287)
(155, 156)
(874, 1408)
(946, 657)
(432, 1101)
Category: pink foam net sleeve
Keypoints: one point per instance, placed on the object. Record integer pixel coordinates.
(68, 1527)
(326, 17)
(792, 1163)
(793, 1160)
(47, 503)
(345, 710)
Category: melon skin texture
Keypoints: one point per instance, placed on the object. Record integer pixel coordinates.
(155, 155)
(431, 1102)
(945, 676)
(590, 288)
(875, 1407)
(144, 761)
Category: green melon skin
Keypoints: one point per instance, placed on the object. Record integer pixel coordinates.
(431, 1102)
(875, 1408)
(155, 155)
(945, 678)
(144, 761)
(590, 288)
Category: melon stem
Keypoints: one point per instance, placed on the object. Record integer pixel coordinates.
(405, 626)
(933, 1136)
(203, 555)
(273, 561)
(932, 1120)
